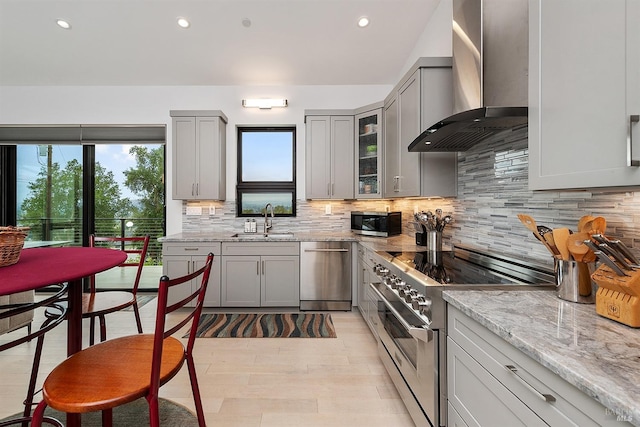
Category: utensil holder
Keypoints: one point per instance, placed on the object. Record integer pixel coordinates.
(434, 240)
(573, 281)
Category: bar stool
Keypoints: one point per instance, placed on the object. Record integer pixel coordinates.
(121, 370)
(54, 311)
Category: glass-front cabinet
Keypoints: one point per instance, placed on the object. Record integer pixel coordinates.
(368, 154)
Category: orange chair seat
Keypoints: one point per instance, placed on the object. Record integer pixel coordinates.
(110, 374)
(99, 303)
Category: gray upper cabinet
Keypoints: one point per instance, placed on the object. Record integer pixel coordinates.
(423, 97)
(329, 156)
(584, 94)
(199, 155)
(368, 155)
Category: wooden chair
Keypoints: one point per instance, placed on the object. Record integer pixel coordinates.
(55, 309)
(98, 304)
(121, 370)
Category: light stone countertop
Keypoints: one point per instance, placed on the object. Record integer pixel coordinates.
(599, 356)
(394, 243)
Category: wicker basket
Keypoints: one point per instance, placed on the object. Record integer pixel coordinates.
(11, 242)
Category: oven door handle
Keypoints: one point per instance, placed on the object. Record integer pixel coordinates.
(422, 334)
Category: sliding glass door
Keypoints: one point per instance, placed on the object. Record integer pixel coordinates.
(49, 193)
(66, 182)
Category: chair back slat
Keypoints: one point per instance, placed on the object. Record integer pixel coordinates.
(192, 315)
(129, 245)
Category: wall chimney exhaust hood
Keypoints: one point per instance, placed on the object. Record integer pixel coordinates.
(490, 75)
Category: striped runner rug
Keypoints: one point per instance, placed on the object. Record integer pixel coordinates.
(266, 325)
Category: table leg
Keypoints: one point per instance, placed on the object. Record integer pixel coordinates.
(74, 331)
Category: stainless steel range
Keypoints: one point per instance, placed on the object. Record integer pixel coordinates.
(412, 327)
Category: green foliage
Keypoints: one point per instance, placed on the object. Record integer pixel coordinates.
(65, 201)
(146, 180)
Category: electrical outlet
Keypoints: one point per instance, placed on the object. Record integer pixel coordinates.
(194, 210)
(212, 210)
(327, 209)
(387, 208)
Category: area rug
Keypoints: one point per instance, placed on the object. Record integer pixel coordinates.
(134, 414)
(266, 325)
(142, 301)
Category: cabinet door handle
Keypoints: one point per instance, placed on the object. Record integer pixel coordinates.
(543, 396)
(634, 118)
(191, 249)
(326, 250)
(328, 188)
(193, 186)
(264, 268)
(258, 268)
(197, 189)
(333, 189)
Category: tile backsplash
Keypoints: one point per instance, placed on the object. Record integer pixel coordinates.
(492, 190)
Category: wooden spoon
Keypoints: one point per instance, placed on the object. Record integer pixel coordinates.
(584, 223)
(530, 223)
(577, 248)
(560, 236)
(599, 225)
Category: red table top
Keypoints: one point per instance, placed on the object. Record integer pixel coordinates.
(39, 267)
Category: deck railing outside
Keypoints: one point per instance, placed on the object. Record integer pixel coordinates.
(70, 231)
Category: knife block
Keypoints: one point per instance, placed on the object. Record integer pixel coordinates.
(618, 297)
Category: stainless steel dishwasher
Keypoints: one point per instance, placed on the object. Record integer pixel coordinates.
(325, 276)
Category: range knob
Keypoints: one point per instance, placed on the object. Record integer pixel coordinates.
(389, 280)
(424, 307)
(399, 284)
(394, 282)
(380, 270)
(404, 290)
(416, 300)
(410, 295)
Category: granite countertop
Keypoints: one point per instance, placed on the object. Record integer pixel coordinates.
(395, 243)
(597, 355)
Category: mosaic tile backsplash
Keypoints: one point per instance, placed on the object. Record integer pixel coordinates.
(492, 190)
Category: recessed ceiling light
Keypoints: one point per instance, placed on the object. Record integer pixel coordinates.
(363, 21)
(183, 23)
(63, 24)
(246, 22)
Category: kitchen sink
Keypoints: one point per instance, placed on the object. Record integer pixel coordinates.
(264, 236)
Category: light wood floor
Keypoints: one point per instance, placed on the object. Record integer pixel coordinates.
(254, 382)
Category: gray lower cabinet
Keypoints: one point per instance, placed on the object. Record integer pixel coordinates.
(179, 259)
(367, 301)
(492, 383)
(260, 274)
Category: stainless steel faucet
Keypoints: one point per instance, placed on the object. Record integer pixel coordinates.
(268, 223)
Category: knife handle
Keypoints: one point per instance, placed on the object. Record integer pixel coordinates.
(609, 250)
(625, 251)
(609, 262)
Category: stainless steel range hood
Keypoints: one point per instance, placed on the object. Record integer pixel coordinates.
(490, 74)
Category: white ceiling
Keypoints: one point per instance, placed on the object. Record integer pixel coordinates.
(137, 42)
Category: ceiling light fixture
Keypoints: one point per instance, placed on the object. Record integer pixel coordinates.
(63, 24)
(264, 103)
(183, 22)
(363, 21)
(246, 22)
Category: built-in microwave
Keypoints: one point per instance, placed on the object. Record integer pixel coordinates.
(381, 224)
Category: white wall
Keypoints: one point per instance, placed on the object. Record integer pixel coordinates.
(436, 39)
(151, 105)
